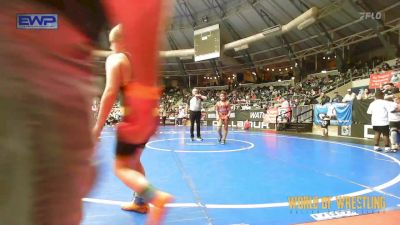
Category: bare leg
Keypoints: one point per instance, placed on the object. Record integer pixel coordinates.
(137, 204)
(393, 138)
(225, 130)
(126, 172)
(324, 132)
(219, 130)
(137, 182)
(377, 137)
(387, 142)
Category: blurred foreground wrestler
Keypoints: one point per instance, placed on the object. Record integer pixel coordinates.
(46, 91)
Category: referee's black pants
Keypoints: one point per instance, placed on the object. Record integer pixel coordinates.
(195, 117)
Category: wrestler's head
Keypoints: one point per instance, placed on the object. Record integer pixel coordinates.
(223, 96)
(116, 37)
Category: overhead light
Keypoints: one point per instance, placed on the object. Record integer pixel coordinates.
(323, 57)
(291, 67)
(286, 68)
(335, 56)
(186, 57)
(280, 69)
(242, 47)
(229, 78)
(272, 70)
(279, 80)
(295, 64)
(215, 77)
(323, 71)
(204, 77)
(329, 58)
(292, 78)
(254, 73)
(267, 69)
(271, 30)
(308, 22)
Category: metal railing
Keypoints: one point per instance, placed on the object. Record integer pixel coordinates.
(281, 115)
(298, 115)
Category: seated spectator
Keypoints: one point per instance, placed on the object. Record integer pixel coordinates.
(349, 97)
(246, 125)
(395, 78)
(324, 98)
(337, 98)
(367, 95)
(360, 94)
(397, 65)
(386, 67)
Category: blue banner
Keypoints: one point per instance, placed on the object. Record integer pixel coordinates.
(340, 113)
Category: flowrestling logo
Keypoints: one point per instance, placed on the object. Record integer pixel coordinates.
(371, 15)
(37, 21)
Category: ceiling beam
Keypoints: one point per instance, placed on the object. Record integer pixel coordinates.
(182, 69)
(235, 35)
(379, 24)
(265, 17)
(338, 52)
(187, 12)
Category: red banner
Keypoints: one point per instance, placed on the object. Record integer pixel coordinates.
(377, 80)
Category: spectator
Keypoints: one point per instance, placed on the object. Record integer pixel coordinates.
(360, 94)
(163, 115)
(397, 65)
(379, 110)
(395, 78)
(367, 95)
(337, 98)
(285, 111)
(389, 90)
(394, 125)
(324, 98)
(325, 122)
(246, 125)
(349, 97)
(181, 115)
(386, 67)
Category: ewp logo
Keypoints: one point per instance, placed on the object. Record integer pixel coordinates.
(37, 21)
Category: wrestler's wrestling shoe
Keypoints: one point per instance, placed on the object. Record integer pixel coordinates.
(139, 208)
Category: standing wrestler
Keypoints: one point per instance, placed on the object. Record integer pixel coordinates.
(223, 110)
(128, 167)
